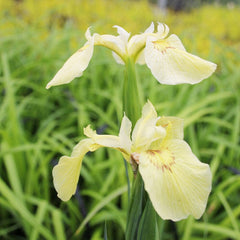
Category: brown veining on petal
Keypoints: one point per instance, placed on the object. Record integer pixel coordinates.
(153, 152)
(162, 159)
(164, 125)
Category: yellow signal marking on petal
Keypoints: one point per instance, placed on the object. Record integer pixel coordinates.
(161, 159)
(162, 46)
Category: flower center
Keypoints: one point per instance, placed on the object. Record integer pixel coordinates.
(162, 159)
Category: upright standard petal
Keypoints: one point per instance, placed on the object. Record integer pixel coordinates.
(144, 128)
(74, 66)
(124, 134)
(171, 64)
(178, 184)
(66, 172)
(137, 43)
(123, 34)
(176, 129)
(162, 30)
(145, 131)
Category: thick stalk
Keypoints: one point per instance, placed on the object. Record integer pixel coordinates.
(132, 104)
(141, 215)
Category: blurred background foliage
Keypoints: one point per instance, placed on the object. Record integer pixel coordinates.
(37, 126)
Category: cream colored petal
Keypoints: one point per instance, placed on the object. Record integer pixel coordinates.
(117, 44)
(74, 66)
(171, 64)
(118, 59)
(174, 41)
(178, 184)
(102, 140)
(150, 29)
(141, 58)
(145, 130)
(162, 30)
(123, 34)
(122, 142)
(84, 145)
(88, 34)
(176, 131)
(122, 40)
(171, 40)
(135, 47)
(137, 43)
(66, 172)
(124, 134)
(148, 119)
(114, 43)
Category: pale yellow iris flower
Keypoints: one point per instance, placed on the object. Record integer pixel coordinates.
(165, 56)
(178, 184)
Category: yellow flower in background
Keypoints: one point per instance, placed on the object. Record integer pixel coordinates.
(178, 184)
(165, 56)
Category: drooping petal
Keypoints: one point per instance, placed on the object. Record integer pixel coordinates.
(74, 66)
(67, 171)
(145, 130)
(178, 184)
(171, 64)
(117, 44)
(114, 43)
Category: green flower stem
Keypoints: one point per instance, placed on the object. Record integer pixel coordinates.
(132, 104)
(141, 215)
(135, 209)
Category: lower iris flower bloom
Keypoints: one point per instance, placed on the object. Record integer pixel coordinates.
(177, 183)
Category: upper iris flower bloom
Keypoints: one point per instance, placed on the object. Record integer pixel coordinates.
(178, 184)
(165, 56)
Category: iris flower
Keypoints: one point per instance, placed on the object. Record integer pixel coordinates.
(177, 183)
(165, 56)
